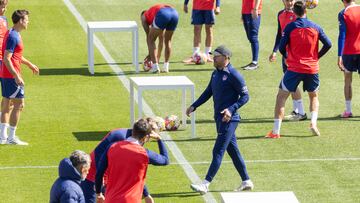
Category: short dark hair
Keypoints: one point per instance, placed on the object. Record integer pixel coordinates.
(347, 1)
(299, 8)
(141, 129)
(18, 15)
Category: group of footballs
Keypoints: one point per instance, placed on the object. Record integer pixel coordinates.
(168, 123)
(200, 58)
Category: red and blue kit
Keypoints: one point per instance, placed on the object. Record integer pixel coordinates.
(249, 5)
(204, 4)
(12, 43)
(300, 46)
(162, 16)
(349, 37)
(3, 30)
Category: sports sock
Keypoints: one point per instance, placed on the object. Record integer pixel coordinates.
(166, 66)
(12, 131)
(300, 106)
(348, 106)
(277, 125)
(205, 182)
(207, 50)
(196, 50)
(314, 117)
(3, 130)
(295, 108)
(254, 62)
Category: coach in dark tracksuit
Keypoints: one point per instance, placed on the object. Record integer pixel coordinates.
(229, 92)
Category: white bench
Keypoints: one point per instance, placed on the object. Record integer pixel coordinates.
(258, 197)
(112, 26)
(161, 83)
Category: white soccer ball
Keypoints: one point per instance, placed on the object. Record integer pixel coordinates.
(311, 4)
(199, 58)
(172, 123)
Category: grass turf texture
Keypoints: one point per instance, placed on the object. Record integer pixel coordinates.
(66, 109)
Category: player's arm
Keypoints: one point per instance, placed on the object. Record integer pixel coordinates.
(341, 40)
(186, 6)
(160, 159)
(217, 7)
(272, 56)
(284, 41)
(33, 67)
(7, 60)
(204, 96)
(326, 43)
(238, 83)
(100, 171)
(255, 11)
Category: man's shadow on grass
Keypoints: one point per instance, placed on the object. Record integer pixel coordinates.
(90, 136)
(83, 71)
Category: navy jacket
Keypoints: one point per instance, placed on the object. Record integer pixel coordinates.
(66, 188)
(228, 89)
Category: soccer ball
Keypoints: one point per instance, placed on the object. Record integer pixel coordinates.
(160, 122)
(310, 4)
(199, 58)
(147, 65)
(172, 122)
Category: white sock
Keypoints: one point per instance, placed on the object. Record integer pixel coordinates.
(12, 131)
(348, 106)
(196, 50)
(300, 106)
(277, 126)
(166, 66)
(3, 130)
(207, 50)
(255, 62)
(314, 117)
(295, 108)
(205, 182)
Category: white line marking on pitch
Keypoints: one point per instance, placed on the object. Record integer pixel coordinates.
(189, 171)
(207, 162)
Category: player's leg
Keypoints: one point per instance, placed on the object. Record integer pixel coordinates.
(209, 22)
(288, 84)
(197, 20)
(153, 35)
(311, 84)
(254, 25)
(239, 163)
(5, 114)
(19, 104)
(172, 19)
(222, 141)
(351, 65)
(160, 45)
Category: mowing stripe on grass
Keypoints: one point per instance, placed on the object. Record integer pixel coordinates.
(207, 162)
(189, 171)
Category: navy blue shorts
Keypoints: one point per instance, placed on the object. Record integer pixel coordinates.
(291, 80)
(166, 18)
(352, 62)
(11, 90)
(200, 17)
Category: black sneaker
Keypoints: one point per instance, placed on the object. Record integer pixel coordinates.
(251, 66)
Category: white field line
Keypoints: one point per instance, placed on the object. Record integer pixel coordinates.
(189, 171)
(207, 162)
